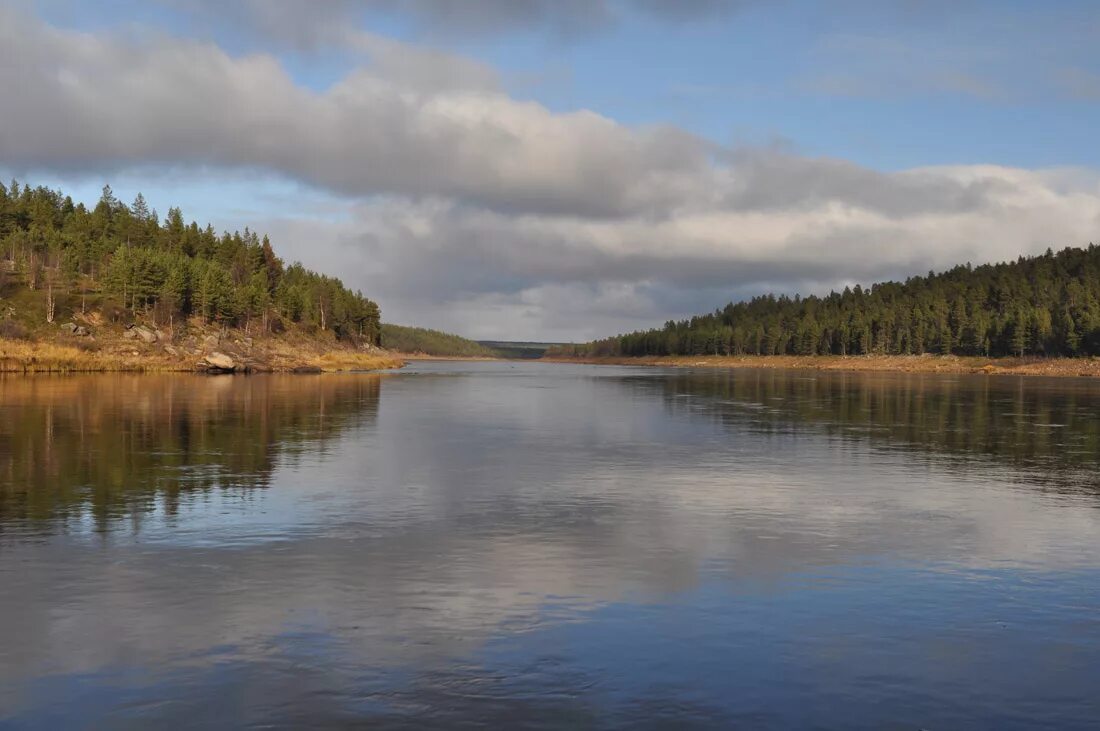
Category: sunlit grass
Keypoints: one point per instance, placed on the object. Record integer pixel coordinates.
(23, 356)
(1026, 366)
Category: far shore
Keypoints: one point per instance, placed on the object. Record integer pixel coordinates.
(1027, 366)
(309, 356)
(476, 358)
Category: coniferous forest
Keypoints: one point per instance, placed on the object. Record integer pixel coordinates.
(125, 261)
(1047, 305)
(431, 342)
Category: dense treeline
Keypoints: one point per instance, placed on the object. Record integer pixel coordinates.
(129, 260)
(1042, 305)
(431, 342)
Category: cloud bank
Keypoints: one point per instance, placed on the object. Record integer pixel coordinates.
(469, 209)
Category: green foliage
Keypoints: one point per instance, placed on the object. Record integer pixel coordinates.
(518, 350)
(172, 269)
(1042, 305)
(431, 342)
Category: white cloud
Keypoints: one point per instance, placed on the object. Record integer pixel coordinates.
(91, 102)
(490, 274)
(472, 210)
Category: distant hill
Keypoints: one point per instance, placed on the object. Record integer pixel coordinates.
(431, 342)
(1041, 305)
(507, 349)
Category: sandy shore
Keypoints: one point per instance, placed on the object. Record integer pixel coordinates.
(1029, 366)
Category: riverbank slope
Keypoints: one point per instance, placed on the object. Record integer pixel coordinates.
(192, 348)
(1027, 366)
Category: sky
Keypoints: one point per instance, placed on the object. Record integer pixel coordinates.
(562, 170)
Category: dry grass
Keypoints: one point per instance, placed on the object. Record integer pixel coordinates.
(473, 358)
(897, 363)
(21, 356)
(347, 360)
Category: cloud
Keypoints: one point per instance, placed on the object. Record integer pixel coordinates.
(411, 124)
(494, 275)
(100, 103)
(468, 209)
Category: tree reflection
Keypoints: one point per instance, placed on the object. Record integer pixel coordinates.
(110, 446)
(1045, 427)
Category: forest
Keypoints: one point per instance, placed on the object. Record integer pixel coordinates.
(124, 261)
(1046, 305)
(431, 342)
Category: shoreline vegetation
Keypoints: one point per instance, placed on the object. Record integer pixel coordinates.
(432, 343)
(309, 355)
(1088, 367)
(227, 354)
(114, 287)
(1045, 306)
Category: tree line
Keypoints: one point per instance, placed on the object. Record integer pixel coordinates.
(128, 260)
(1046, 305)
(431, 342)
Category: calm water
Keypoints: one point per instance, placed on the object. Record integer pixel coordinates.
(533, 545)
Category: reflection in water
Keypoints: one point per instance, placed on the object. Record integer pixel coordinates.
(1047, 428)
(120, 445)
(545, 545)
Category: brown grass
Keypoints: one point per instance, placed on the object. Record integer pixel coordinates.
(20, 356)
(425, 356)
(1031, 366)
(345, 360)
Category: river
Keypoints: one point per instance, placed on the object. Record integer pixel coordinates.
(528, 545)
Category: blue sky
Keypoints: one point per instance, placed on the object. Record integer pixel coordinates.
(527, 168)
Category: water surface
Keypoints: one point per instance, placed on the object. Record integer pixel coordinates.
(548, 545)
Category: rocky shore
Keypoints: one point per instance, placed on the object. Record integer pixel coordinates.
(86, 347)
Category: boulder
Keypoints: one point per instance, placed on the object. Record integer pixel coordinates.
(171, 351)
(69, 327)
(210, 342)
(129, 334)
(82, 332)
(145, 334)
(219, 362)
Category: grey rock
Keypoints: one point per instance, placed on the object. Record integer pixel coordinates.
(129, 335)
(218, 362)
(170, 350)
(82, 332)
(69, 327)
(145, 334)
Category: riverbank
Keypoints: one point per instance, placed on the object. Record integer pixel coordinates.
(152, 351)
(474, 358)
(1031, 366)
